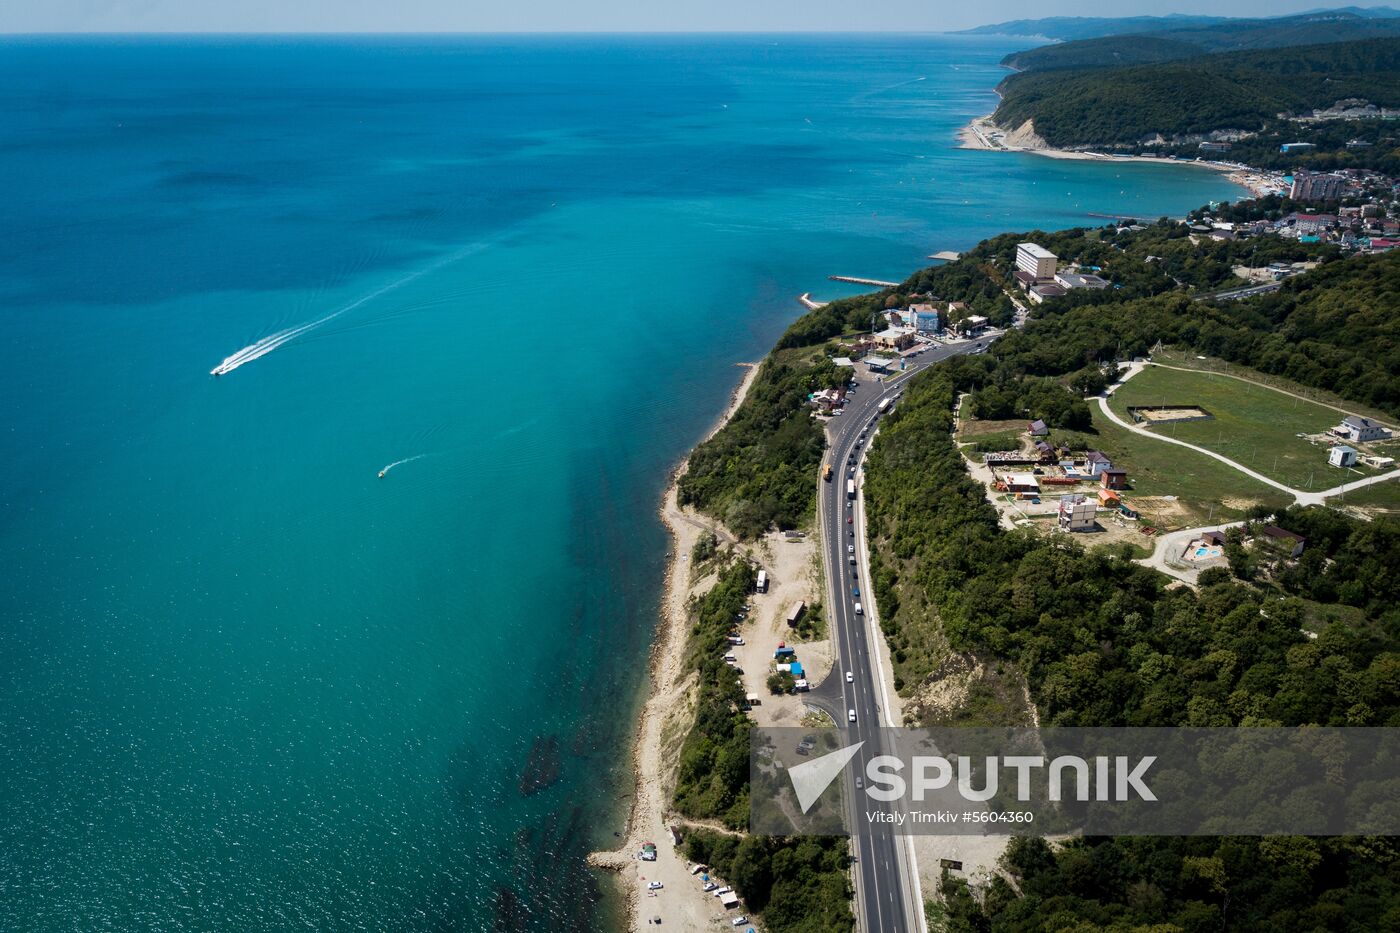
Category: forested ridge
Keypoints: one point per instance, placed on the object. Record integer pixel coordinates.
(1165, 40)
(1237, 90)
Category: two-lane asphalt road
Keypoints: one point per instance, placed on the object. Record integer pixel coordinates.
(887, 898)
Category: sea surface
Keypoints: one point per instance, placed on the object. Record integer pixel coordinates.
(245, 682)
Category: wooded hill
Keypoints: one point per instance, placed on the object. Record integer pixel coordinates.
(1238, 90)
(1169, 40)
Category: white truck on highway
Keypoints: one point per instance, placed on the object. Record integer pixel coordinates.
(850, 489)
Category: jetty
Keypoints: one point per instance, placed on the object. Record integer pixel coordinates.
(856, 280)
(810, 303)
(946, 255)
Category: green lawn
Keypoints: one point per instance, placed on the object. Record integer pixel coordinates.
(1187, 359)
(1376, 496)
(1206, 490)
(1253, 425)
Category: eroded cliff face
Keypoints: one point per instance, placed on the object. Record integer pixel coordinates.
(1025, 137)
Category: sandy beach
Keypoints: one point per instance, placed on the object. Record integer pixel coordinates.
(982, 133)
(665, 720)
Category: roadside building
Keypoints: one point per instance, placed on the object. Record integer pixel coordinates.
(880, 364)
(1209, 146)
(828, 399)
(926, 319)
(1096, 462)
(1359, 430)
(1108, 498)
(1114, 479)
(894, 338)
(1037, 428)
(1022, 484)
(1342, 456)
(1037, 260)
(971, 325)
(1077, 513)
(1291, 543)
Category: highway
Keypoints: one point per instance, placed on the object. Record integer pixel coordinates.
(887, 894)
(1235, 294)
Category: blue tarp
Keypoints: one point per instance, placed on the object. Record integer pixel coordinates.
(796, 669)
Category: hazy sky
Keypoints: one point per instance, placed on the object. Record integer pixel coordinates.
(576, 15)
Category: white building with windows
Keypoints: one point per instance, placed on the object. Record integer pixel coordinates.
(1360, 430)
(1036, 261)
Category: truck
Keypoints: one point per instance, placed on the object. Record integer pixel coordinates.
(762, 585)
(826, 472)
(885, 405)
(850, 489)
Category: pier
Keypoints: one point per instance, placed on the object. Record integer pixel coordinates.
(946, 255)
(859, 281)
(810, 303)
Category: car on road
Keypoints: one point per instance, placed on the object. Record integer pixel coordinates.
(851, 715)
(849, 520)
(859, 783)
(850, 549)
(850, 677)
(859, 610)
(855, 591)
(848, 503)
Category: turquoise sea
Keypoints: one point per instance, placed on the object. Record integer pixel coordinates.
(246, 683)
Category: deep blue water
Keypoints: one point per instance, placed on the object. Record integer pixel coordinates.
(245, 683)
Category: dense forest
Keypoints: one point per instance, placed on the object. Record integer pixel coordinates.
(1165, 40)
(1196, 885)
(1237, 90)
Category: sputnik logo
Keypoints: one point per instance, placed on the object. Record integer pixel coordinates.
(811, 778)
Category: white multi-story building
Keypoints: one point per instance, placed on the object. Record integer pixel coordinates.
(1077, 513)
(1036, 261)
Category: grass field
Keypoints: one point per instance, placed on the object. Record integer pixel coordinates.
(1188, 360)
(1384, 496)
(1253, 425)
(1206, 490)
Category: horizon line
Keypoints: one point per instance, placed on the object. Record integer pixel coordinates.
(509, 32)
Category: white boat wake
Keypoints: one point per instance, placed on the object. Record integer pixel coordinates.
(385, 472)
(267, 344)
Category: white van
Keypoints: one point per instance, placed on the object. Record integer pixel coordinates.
(859, 611)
